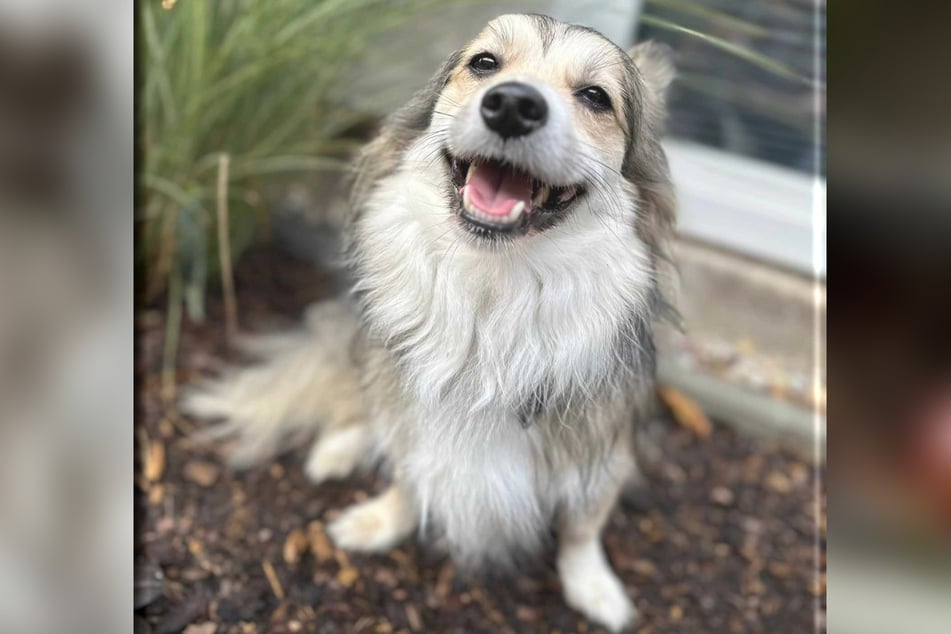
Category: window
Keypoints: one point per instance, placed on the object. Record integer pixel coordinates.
(746, 117)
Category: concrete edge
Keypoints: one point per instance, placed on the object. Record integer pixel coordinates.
(755, 414)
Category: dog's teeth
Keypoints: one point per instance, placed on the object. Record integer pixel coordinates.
(516, 210)
(542, 195)
(465, 198)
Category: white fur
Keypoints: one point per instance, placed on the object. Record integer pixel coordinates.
(547, 307)
(375, 525)
(591, 587)
(338, 452)
(478, 329)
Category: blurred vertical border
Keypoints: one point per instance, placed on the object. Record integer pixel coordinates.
(889, 236)
(66, 388)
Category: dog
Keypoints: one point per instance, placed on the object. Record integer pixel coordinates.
(506, 241)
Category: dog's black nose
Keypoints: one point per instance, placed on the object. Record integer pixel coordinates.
(514, 109)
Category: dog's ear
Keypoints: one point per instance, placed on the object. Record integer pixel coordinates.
(655, 61)
(381, 156)
(646, 163)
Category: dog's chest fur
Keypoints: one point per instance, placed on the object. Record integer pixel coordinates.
(506, 360)
(487, 329)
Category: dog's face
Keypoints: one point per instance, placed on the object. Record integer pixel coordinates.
(536, 118)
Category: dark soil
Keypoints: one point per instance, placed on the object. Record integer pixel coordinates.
(726, 538)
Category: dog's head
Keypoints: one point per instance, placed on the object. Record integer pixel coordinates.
(535, 119)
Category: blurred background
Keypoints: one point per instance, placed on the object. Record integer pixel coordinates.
(66, 390)
(246, 114)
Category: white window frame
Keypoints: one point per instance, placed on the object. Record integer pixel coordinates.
(762, 210)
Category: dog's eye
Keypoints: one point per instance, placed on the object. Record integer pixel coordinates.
(595, 98)
(484, 63)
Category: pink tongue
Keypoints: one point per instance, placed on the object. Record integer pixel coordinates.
(495, 189)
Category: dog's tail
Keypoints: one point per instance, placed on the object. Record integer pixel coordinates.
(305, 381)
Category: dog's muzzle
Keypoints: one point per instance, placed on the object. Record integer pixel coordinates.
(514, 109)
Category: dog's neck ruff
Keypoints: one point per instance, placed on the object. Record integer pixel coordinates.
(477, 329)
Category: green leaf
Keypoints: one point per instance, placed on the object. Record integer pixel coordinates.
(757, 59)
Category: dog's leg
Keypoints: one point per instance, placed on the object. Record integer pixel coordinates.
(337, 452)
(377, 524)
(589, 583)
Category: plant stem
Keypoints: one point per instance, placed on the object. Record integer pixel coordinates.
(224, 251)
(173, 325)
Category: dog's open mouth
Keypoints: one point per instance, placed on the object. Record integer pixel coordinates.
(496, 198)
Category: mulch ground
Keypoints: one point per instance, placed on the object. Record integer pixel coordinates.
(728, 537)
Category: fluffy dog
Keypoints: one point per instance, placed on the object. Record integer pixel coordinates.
(505, 241)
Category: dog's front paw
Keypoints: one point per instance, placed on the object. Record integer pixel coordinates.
(375, 525)
(592, 588)
(602, 599)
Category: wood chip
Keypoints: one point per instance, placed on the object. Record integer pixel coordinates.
(201, 628)
(348, 576)
(166, 428)
(444, 581)
(644, 567)
(722, 496)
(295, 546)
(320, 545)
(685, 411)
(280, 614)
(676, 613)
(155, 461)
(799, 473)
(778, 482)
(156, 494)
(412, 615)
(342, 560)
(272, 579)
(201, 472)
(526, 614)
